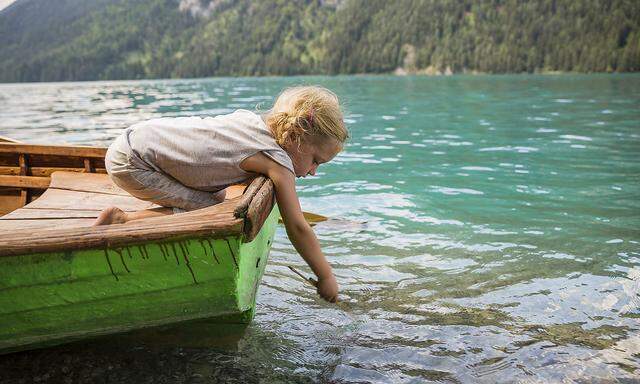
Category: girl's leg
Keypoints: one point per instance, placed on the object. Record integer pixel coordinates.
(133, 176)
(160, 189)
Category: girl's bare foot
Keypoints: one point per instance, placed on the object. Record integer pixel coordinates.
(111, 215)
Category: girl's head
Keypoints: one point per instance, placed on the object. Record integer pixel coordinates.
(307, 123)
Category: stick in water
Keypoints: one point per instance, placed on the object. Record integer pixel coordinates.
(309, 280)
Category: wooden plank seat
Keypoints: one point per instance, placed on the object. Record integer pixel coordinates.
(61, 218)
(72, 200)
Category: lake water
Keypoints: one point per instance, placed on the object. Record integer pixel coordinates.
(487, 230)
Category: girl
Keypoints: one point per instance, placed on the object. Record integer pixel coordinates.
(186, 163)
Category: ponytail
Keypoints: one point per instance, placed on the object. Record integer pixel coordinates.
(306, 111)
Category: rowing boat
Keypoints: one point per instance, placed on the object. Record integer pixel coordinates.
(63, 280)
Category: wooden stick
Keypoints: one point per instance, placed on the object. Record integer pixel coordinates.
(309, 280)
(313, 282)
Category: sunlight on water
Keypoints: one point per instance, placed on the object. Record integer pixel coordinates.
(485, 229)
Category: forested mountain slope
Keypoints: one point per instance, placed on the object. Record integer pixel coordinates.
(51, 40)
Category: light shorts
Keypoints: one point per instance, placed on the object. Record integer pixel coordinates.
(135, 176)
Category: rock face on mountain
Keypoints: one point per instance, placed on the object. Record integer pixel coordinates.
(51, 40)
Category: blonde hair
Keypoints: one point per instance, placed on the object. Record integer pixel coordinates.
(306, 110)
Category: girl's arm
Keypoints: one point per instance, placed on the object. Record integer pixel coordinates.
(299, 231)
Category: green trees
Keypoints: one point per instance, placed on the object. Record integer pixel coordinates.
(117, 39)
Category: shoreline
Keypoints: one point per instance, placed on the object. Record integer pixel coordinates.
(394, 73)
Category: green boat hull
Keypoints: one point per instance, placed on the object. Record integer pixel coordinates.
(54, 298)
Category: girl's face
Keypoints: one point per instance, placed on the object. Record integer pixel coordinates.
(312, 152)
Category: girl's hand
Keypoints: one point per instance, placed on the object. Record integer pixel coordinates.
(328, 289)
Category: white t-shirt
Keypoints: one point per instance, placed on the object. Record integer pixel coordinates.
(205, 153)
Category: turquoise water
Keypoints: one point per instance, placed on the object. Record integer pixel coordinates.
(486, 229)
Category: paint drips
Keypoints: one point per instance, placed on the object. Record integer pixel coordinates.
(185, 254)
(119, 252)
(106, 255)
(235, 261)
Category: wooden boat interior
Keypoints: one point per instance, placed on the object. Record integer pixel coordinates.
(50, 196)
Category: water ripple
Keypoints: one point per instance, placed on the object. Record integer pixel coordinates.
(481, 228)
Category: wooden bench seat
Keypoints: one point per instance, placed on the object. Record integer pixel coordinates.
(75, 200)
